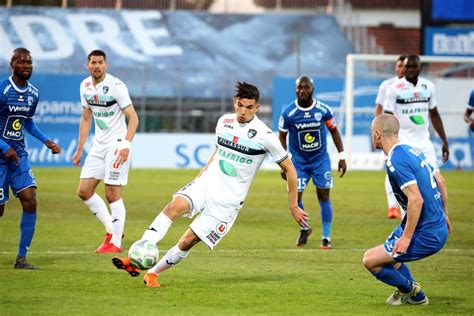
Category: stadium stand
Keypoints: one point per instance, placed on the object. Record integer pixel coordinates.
(396, 40)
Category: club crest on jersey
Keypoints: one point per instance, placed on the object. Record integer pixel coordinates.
(251, 133)
(318, 116)
(221, 228)
(105, 89)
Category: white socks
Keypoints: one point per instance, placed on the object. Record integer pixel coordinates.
(118, 221)
(158, 229)
(391, 200)
(172, 257)
(99, 209)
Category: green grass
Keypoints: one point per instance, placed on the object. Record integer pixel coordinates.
(256, 269)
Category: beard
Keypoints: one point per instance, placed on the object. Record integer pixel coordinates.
(25, 76)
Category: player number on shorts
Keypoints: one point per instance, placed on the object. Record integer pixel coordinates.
(302, 183)
(1, 194)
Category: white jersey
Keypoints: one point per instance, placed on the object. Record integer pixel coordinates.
(241, 149)
(411, 105)
(107, 100)
(383, 90)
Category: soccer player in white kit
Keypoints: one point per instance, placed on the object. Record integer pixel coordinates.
(393, 208)
(217, 194)
(106, 99)
(412, 99)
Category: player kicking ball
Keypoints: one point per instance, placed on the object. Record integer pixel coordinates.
(424, 229)
(217, 194)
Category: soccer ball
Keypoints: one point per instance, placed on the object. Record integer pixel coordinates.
(143, 254)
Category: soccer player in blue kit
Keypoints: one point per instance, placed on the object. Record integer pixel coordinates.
(18, 101)
(424, 229)
(307, 121)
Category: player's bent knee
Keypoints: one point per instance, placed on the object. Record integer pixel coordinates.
(84, 195)
(29, 205)
(175, 209)
(367, 260)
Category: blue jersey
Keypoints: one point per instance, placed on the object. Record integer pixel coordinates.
(17, 104)
(406, 166)
(307, 129)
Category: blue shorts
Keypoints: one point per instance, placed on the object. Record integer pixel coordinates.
(319, 172)
(423, 244)
(17, 177)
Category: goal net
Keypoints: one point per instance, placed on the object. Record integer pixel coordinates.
(453, 78)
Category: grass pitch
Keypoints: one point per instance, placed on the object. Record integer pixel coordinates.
(256, 269)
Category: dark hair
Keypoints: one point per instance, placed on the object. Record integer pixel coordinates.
(244, 90)
(96, 52)
(414, 57)
(401, 58)
(17, 51)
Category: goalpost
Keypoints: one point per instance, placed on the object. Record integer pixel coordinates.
(453, 77)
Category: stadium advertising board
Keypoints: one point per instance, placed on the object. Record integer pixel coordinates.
(57, 114)
(173, 53)
(443, 41)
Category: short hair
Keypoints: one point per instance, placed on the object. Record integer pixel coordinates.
(413, 57)
(402, 58)
(244, 90)
(388, 124)
(96, 52)
(17, 51)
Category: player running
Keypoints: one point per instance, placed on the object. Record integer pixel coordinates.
(18, 102)
(423, 230)
(217, 194)
(106, 99)
(393, 209)
(307, 121)
(412, 99)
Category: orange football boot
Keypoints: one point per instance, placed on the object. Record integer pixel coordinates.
(151, 280)
(125, 264)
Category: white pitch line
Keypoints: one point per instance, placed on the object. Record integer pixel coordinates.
(227, 251)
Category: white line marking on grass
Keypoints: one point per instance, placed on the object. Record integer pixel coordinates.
(226, 251)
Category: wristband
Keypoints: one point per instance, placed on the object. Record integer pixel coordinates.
(124, 144)
(342, 156)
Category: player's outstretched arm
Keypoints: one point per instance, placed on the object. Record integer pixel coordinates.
(34, 130)
(439, 128)
(84, 128)
(415, 203)
(10, 153)
(282, 137)
(336, 137)
(299, 215)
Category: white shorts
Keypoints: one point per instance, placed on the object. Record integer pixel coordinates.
(100, 164)
(214, 220)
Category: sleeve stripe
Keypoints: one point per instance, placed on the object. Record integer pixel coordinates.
(403, 186)
(282, 159)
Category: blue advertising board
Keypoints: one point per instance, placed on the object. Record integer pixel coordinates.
(57, 115)
(447, 41)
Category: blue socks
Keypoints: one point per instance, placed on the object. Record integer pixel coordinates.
(391, 276)
(27, 230)
(406, 273)
(326, 217)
